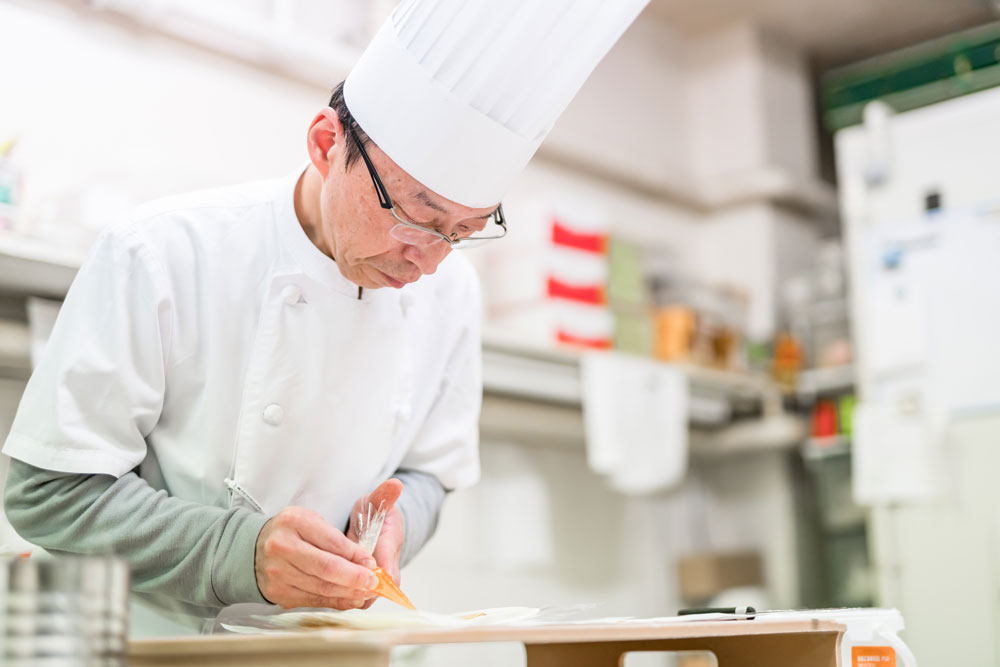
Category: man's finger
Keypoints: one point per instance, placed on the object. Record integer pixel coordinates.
(301, 598)
(328, 567)
(322, 535)
(387, 493)
(387, 556)
(315, 586)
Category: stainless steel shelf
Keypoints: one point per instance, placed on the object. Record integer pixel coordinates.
(819, 449)
(815, 382)
(553, 375)
(32, 267)
(549, 375)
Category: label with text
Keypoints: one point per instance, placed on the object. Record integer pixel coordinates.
(873, 656)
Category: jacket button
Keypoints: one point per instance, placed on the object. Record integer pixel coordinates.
(291, 294)
(273, 414)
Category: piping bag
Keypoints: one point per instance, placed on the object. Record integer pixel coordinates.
(369, 527)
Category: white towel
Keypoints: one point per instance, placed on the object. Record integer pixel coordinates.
(636, 421)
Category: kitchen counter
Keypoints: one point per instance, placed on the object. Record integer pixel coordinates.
(736, 643)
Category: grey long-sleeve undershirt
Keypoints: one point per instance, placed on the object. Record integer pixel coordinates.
(195, 553)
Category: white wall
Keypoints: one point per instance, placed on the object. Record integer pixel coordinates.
(724, 105)
(749, 97)
(758, 247)
(629, 117)
(136, 114)
(787, 94)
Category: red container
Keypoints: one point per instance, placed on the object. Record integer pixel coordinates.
(824, 419)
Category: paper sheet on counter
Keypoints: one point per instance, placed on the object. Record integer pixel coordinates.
(373, 619)
(403, 619)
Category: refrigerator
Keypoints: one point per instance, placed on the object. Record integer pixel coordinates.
(920, 207)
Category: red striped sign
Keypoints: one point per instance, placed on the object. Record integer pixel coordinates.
(587, 241)
(584, 341)
(592, 294)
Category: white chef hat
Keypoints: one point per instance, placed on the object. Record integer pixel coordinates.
(460, 93)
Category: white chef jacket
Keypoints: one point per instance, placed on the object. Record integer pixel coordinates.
(209, 343)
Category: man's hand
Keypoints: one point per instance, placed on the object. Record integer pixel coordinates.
(302, 561)
(390, 541)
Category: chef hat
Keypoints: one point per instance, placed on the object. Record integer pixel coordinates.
(460, 93)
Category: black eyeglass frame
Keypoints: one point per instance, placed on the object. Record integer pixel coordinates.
(386, 203)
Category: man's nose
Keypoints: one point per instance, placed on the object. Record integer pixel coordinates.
(427, 257)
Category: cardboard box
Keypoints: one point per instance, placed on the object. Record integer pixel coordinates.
(703, 576)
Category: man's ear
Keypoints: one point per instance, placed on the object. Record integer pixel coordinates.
(325, 140)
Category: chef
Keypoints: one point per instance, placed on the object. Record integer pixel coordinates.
(236, 372)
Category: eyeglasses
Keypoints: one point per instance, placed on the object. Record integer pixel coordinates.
(414, 234)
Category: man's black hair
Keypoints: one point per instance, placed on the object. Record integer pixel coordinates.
(348, 123)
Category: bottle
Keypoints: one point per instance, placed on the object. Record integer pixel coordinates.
(10, 186)
(787, 360)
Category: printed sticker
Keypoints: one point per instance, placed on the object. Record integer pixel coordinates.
(873, 656)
